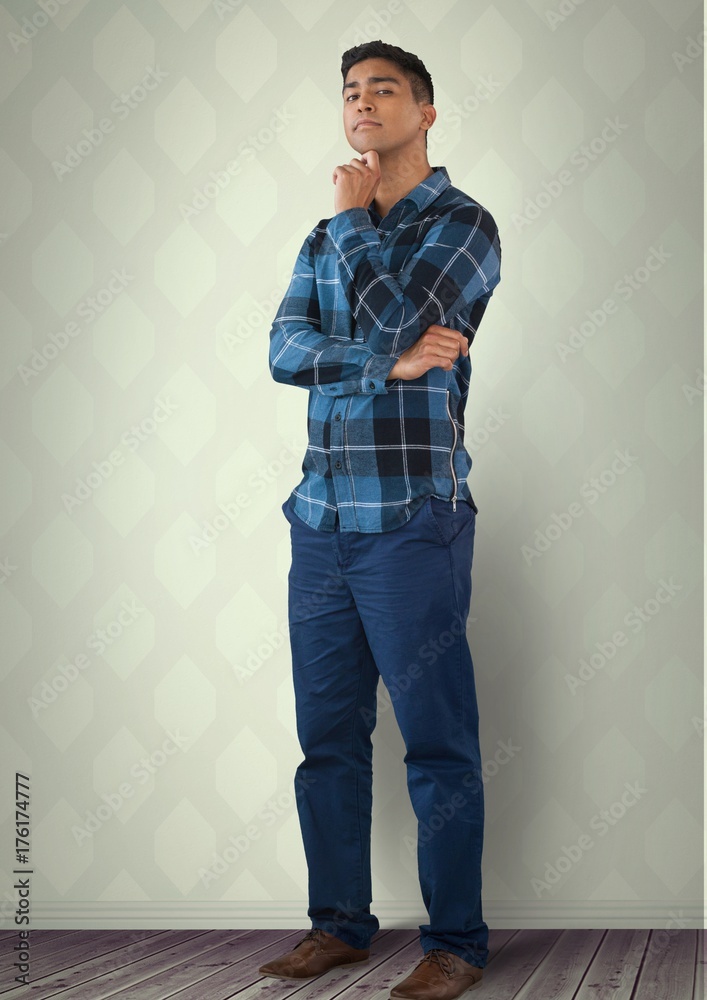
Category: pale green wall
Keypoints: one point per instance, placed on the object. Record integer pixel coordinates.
(198, 641)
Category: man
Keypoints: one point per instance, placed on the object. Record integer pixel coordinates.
(385, 299)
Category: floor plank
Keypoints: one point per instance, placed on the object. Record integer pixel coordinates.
(699, 992)
(101, 964)
(613, 971)
(668, 968)
(511, 966)
(561, 970)
(194, 964)
(70, 945)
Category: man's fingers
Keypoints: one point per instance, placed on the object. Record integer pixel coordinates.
(450, 334)
(359, 165)
(446, 331)
(444, 354)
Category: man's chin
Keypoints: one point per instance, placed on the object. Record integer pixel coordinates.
(365, 141)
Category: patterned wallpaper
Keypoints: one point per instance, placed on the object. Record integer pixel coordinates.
(161, 163)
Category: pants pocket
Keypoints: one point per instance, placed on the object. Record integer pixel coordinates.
(449, 523)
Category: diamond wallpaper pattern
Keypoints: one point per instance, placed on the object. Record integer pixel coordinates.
(161, 164)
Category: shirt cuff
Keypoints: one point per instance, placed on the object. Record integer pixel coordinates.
(353, 229)
(372, 381)
(375, 372)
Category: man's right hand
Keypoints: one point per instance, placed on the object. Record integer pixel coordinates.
(438, 347)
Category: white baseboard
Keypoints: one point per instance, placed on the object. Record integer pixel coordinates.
(505, 914)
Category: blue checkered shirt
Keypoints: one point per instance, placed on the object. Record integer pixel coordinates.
(363, 290)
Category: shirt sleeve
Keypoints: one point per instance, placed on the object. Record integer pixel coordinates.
(300, 354)
(456, 267)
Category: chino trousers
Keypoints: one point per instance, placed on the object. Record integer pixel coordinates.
(393, 605)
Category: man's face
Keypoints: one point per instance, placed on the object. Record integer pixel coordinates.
(376, 89)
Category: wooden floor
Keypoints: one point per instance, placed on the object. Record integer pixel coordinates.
(215, 965)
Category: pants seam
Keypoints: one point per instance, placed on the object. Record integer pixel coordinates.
(462, 638)
(358, 800)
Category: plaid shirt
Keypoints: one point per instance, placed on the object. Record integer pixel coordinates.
(364, 289)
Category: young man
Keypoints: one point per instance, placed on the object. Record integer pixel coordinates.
(385, 299)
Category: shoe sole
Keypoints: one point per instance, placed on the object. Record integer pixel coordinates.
(313, 975)
(474, 986)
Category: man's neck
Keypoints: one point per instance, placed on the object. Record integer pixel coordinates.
(398, 177)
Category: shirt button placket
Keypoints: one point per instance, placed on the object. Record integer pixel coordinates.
(340, 481)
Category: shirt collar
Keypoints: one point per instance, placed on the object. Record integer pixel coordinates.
(419, 198)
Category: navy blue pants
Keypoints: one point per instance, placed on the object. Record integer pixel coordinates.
(393, 605)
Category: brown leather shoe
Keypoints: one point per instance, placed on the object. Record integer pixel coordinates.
(441, 975)
(317, 952)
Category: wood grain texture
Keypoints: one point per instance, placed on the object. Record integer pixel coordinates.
(558, 964)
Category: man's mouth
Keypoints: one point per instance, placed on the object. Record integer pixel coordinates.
(366, 124)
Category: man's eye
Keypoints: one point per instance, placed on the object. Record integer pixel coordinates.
(351, 96)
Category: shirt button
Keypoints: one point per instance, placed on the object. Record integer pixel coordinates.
(337, 465)
(337, 416)
(371, 385)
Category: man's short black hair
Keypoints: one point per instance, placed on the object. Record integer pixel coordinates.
(410, 65)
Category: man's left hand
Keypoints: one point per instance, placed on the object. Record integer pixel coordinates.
(356, 182)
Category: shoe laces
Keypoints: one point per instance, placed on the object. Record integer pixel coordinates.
(443, 959)
(315, 934)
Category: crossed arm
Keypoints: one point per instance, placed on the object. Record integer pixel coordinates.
(458, 264)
